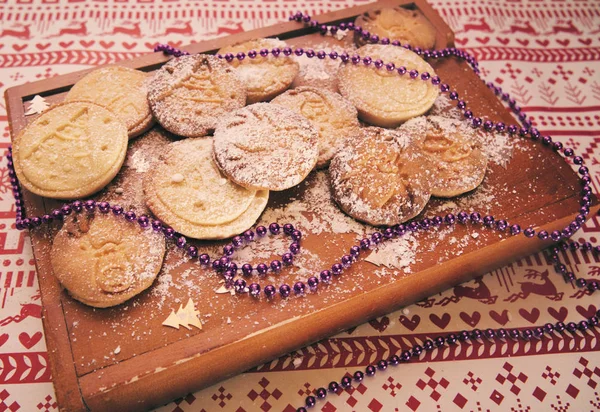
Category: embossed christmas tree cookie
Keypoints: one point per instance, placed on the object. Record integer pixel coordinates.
(187, 191)
(189, 94)
(385, 98)
(103, 261)
(333, 116)
(122, 91)
(457, 162)
(264, 76)
(266, 146)
(378, 178)
(398, 23)
(72, 150)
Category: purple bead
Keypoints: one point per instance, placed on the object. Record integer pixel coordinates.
(365, 244)
(247, 269)
(276, 266)
(262, 268)
(346, 382)
(228, 250)
(285, 290)
(390, 67)
(355, 59)
(394, 360)
(463, 336)
(224, 262)
(468, 114)
(310, 401)
(526, 334)
(370, 370)
(578, 160)
(204, 259)
(475, 217)
(180, 242)
(514, 333)
(450, 219)
(57, 214)
(416, 351)
(287, 51)
(401, 70)
(274, 228)
(192, 251)
(270, 291)
(313, 283)
(444, 87)
(346, 260)
(344, 57)
(295, 248)
(299, 288)
(463, 217)
(476, 122)
(77, 206)
(310, 53)
(543, 235)
(560, 326)
(333, 386)
(425, 223)
(413, 74)
(489, 333)
(287, 259)
(325, 276)
(388, 233)
(555, 235)
(47, 219)
(216, 265)
(451, 339)
(104, 207)
(254, 289)
(89, 205)
(376, 237)
(476, 334)
(538, 332)
(239, 285)
(425, 76)
(406, 355)
(117, 210)
(240, 56)
(252, 54)
(130, 216)
(237, 242)
(296, 235)
(515, 229)
(36, 221)
(355, 251)
(367, 61)
(229, 57)
(501, 333)
(374, 38)
(501, 225)
(261, 230)
(529, 232)
(382, 364)
(321, 393)
(488, 220)
(435, 80)
(288, 228)
(265, 52)
(337, 268)
(583, 325)
(333, 55)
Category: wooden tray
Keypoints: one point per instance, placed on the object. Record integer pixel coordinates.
(156, 363)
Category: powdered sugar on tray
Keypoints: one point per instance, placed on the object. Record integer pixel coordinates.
(397, 253)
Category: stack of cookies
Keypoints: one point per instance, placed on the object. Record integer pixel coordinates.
(240, 131)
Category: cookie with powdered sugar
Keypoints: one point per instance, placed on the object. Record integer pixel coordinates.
(458, 164)
(103, 261)
(379, 178)
(186, 190)
(264, 76)
(266, 146)
(382, 97)
(333, 116)
(190, 93)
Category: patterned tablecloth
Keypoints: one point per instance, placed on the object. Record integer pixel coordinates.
(544, 52)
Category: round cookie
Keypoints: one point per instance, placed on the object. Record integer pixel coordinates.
(70, 151)
(186, 190)
(266, 147)
(380, 179)
(457, 163)
(103, 261)
(385, 98)
(190, 93)
(398, 23)
(264, 77)
(121, 90)
(333, 116)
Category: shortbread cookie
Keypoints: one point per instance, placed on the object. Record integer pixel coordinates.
(189, 94)
(187, 191)
(333, 116)
(379, 178)
(454, 150)
(121, 90)
(322, 73)
(385, 98)
(264, 77)
(72, 150)
(102, 260)
(398, 23)
(266, 147)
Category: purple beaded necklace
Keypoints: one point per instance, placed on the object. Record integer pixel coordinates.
(228, 269)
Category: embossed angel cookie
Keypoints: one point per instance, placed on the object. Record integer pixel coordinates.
(398, 23)
(72, 150)
(385, 98)
(103, 261)
(333, 116)
(379, 179)
(121, 90)
(266, 146)
(186, 190)
(264, 76)
(457, 162)
(190, 93)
